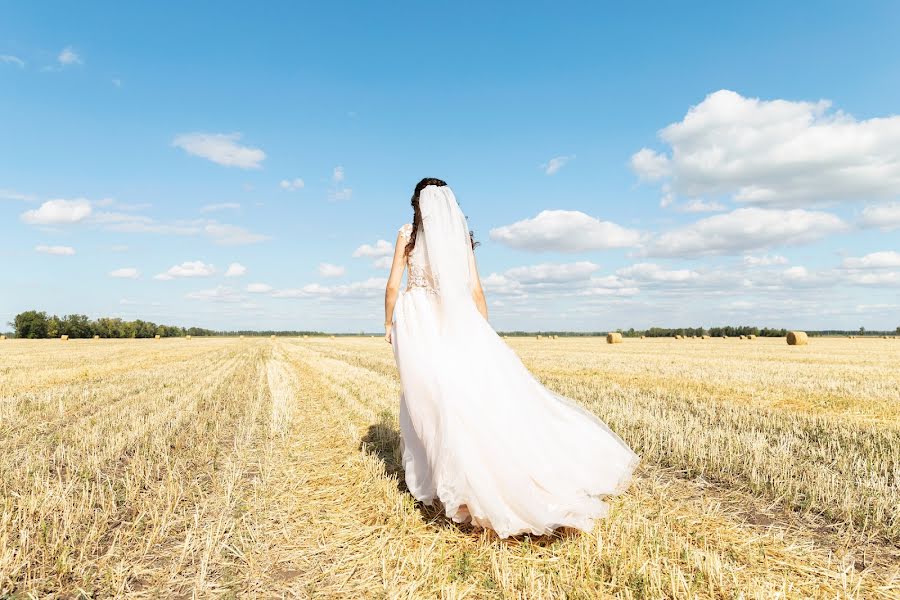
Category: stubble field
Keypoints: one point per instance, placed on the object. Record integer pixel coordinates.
(269, 468)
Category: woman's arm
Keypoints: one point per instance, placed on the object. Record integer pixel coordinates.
(393, 285)
(477, 291)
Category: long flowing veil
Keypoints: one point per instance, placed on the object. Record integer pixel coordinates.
(448, 246)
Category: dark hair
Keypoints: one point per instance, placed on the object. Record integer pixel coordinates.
(417, 213)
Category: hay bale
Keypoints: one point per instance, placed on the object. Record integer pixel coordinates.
(96, 337)
(724, 337)
(797, 338)
(242, 337)
(64, 338)
(705, 337)
(187, 337)
(539, 337)
(273, 336)
(614, 337)
(743, 337)
(2, 337)
(643, 336)
(751, 336)
(332, 337)
(305, 336)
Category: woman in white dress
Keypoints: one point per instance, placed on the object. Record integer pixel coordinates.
(478, 431)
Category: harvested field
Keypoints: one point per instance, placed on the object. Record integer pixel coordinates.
(265, 467)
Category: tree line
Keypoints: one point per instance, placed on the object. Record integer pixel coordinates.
(34, 324)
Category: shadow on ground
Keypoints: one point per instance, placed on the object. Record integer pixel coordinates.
(382, 440)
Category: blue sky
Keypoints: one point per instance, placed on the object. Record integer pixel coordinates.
(235, 166)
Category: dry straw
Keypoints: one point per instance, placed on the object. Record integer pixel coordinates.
(614, 337)
(96, 337)
(156, 337)
(187, 337)
(273, 336)
(797, 338)
(2, 337)
(64, 338)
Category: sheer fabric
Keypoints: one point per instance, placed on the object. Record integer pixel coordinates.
(478, 431)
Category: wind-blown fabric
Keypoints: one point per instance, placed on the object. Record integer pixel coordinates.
(478, 431)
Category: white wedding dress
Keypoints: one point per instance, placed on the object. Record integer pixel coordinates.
(478, 431)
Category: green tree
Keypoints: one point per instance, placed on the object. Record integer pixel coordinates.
(31, 324)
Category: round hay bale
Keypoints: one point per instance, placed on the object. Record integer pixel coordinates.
(614, 337)
(643, 336)
(797, 338)
(538, 337)
(2, 337)
(96, 337)
(743, 337)
(187, 337)
(305, 336)
(273, 336)
(156, 337)
(332, 337)
(724, 337)
(64, 338)
(705, 337)
(751, 337)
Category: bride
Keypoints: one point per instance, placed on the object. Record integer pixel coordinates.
(478, 431)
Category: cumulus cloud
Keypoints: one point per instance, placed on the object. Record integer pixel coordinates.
(885, 217)
(370, 288)
(259, 288)
(552, 272)
(654, 272)
(57, 212)
(552, 166)
(876, 260)
(775, 152)
(329, 270)
(235, 270)
(765, 260)
(232, 235)
(219, 207)
(292, 185)
(384, 262)
(195, 268)
(220, 148)
(218, 294)
(9, 59)
(698, 205)
(55, 250)
(125, 273)
(68, 56)
(381, 248)
(746, 229)
(565, 231)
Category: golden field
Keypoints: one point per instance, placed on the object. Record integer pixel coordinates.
(269, 468)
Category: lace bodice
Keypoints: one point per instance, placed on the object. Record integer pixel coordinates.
(418, 273)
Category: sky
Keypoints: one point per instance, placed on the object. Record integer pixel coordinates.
(248, 165)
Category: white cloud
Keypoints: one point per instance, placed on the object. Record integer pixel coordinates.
(649, 164)
(222, 206)
(883, 278)
(776, 152)
(381, 248)
(385, 262)
(125, 273)
(259, 288)
(552, 166)
(765, 260)
(552, 273)
(370, 288)
(235, 270)
(117, 83)
(292, 185)
(195, 268)
(220, 148)
(337, 175)
(746, 229)
(55, 250)
(876, 260)
(9, 59)
(654, 272)
(218, 294)
(329, 270)
(565, 231)
(698, 205)
(68, 56)
(232, 235)
(340, 194)
(885, 216)
(56, 212)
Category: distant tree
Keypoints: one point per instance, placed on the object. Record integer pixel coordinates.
(31, 324)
